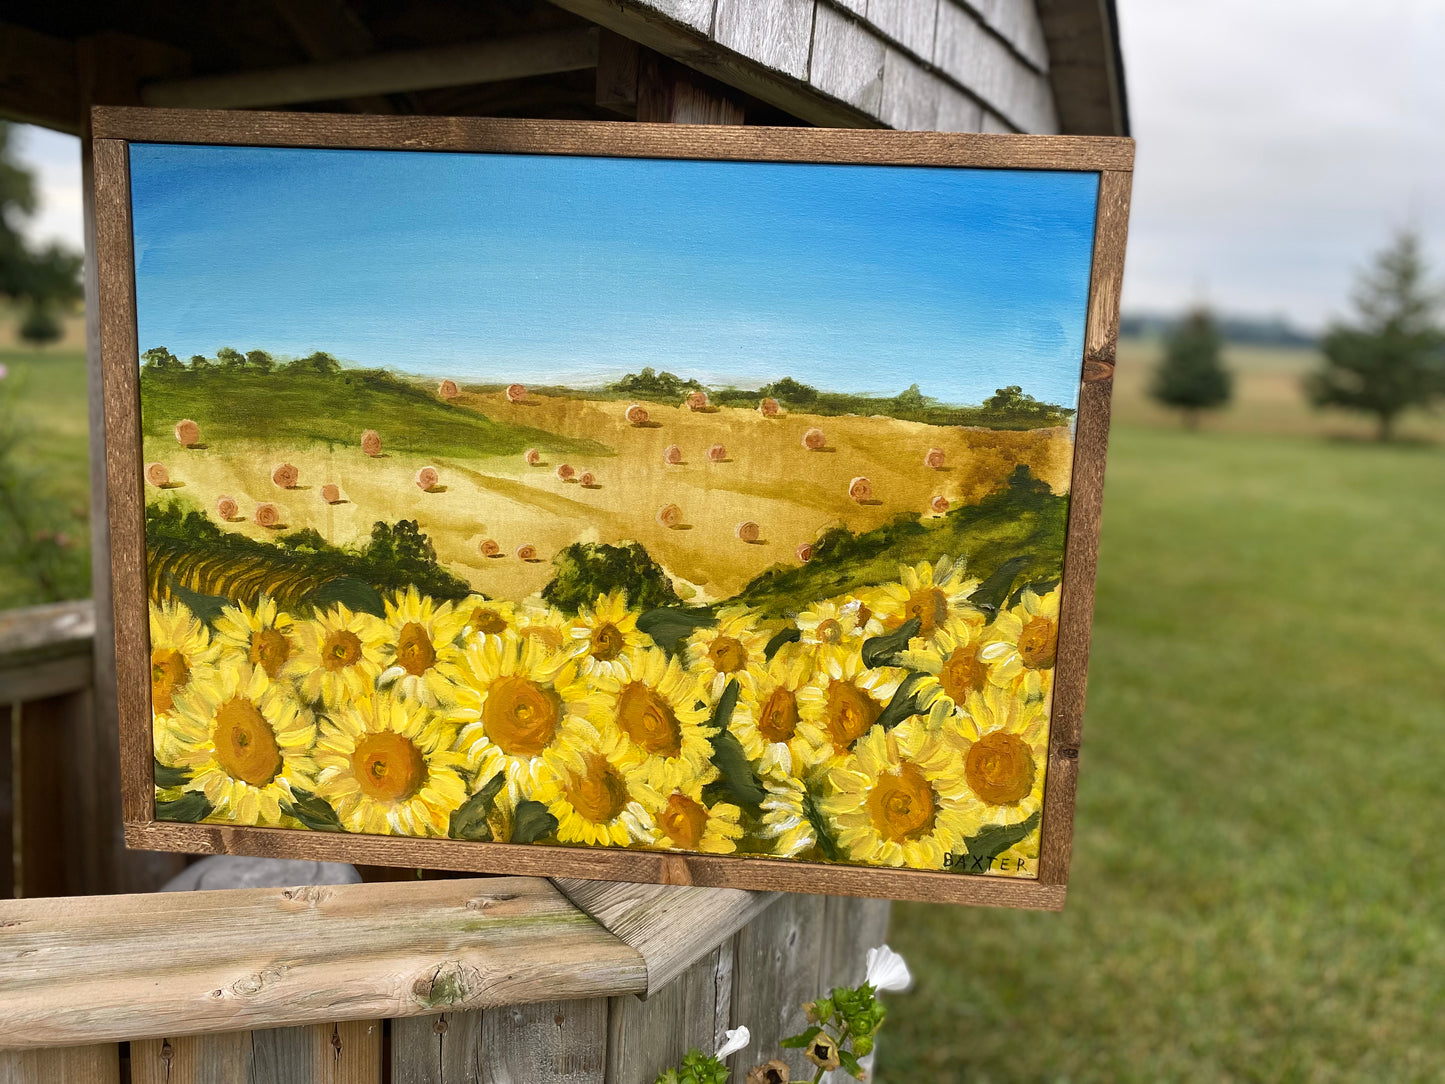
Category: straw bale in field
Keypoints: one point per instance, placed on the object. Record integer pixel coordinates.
(860, 489)
(768, 408)
(717, 453)
(588, 479)
(697, 400)
(532, 456)
(749, 531)
(448, 389)
(814, 440)
(371, 443)
(157, 475)
(934, 459)
(331, 493)
(267, 514)
(526, 552)
(188, 433)
(226, 508)
(516, 393)
(285, 475)
(669, 515)
(489, 547)
(427, 478)
(672, 455)
(637, 414)
(939, 504)
(566, 471)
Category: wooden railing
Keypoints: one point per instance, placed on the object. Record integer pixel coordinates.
(505, 980)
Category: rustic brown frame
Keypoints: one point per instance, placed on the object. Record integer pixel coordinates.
(114, 128)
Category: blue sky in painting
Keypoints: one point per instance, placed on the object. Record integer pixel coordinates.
(549, 269)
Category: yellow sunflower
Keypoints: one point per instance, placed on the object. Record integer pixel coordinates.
(420, 650)
(537, 621)
(601, 635)
(263, 635)
(733, 649)
(592, 787)
(837, 621)
(1023, 642)
(387, 768)
(686, 823)
(515, 699)
(898, 800)
(786, 827)
(487, 617)
(933, 593)
(1003, 740)
(181, 648)
(766, 722)
(953, 661)
(338, 656)
(843, 700)
(246, 740)
(662, 710)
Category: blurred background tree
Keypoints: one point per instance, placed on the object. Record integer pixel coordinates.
(1393, 357)
(38, 277)
(1192, 377)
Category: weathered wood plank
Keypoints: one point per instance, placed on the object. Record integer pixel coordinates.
(910, 94)
(445, 1049)
(99, 1064)
(1082, 46)
(775, 970)
(224, 1058)
(847, 60)
(670, 926)
(56, 630)
(282, 1055)
(645, 1037)
(777, 35)
(910, 23)
(696, 14)
(972, 54)
(1017, 21)
(672, 93)
(957, 112)
(38, 83)
(551, 1042)
(850, 928)
(346, 1052)
(85, 969)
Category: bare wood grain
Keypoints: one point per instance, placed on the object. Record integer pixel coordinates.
(847, 60)
(776, 35)
(224, 1058)
(670, 926)
(346, 1052)
(775, 969)
(87, 969)
(444, 1049)
(908, 22)
(550, 1042)
(983, 62)
(645, 1037)
(99, 1064)
(619, 138)
(283, 1055)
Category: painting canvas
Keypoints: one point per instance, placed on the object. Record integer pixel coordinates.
(631, 504)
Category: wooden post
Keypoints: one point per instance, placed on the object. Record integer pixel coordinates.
(672, 93)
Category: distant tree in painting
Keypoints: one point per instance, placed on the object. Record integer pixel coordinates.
(789, 390)
(1393, 357)
(200, 362)
(1192, 377)
(588, 569)
(319, 362)
(260, 361)
(228, 357)
(159, 359)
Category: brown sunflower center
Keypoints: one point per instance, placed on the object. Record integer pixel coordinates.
(829, 631)
(849, 713)
(169, 672)
(1000, 768)
(727, 655)
(684, 821)
(388, 766)
(341, 649)
(930, 606)
(902, 805)
(607, 642)
(599, 794)
(962, 674)
(648, 719)
(488, 621)
(270, 649)
(778, 720)
(521, 716)
(245, 744)
(1038, 643)
(414, 650)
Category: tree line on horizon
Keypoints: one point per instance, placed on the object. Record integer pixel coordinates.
(158, 359)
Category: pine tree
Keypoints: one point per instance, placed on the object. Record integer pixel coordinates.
(1192, 377)
(1393, 357)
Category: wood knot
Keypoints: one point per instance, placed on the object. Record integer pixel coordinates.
(447, 985)
(1097, 370)
(481, 903)
(1068, 752)
(308, 894)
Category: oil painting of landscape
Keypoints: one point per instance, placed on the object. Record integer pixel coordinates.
(700, 506)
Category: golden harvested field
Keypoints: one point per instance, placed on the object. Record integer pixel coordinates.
(766, 477)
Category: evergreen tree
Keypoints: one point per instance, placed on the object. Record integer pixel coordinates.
(1393, 357)
(1192, 378)
(40, 326)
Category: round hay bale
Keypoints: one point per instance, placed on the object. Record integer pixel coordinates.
(516, 393)
(860, 489)
(769, 408)
(717, 453)
(371, 443)
(267, 514)
(157, 475)
(526, 552)
(285, 475)
(934, 459)
(669, 516)
(637, 414)
(566, 471)
(697, 400)
(588, 479)
(448, 389)
(331, 493)
(489, 547)
(804, 552)
(226, 508)
(814, 440)
(426, 478)
(188, 433)
(749, 531)
(532, 456)
(939, 504)
(672, 455)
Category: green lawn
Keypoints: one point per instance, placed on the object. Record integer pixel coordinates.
(1257, 874)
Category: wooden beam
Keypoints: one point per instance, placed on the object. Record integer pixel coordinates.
(673, 93)
(38, 82)
(330, 30)
(1084, 67)
(384, 73)
(104, 968)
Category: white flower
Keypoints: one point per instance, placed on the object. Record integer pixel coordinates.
(887, 970)
(738, 1039)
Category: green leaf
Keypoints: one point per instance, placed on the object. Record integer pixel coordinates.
(189, 808)
(850, 1064)
(882, 650)
(737, 775)
(531, 822)
(314, 812)
(356, 595)
(992, 842)
(990, 594)
(826, 843)
(787, 636)
(797, 1042)
(668, 627)
(470, 820)
(904, 704)
(206, 607)
(166, 776)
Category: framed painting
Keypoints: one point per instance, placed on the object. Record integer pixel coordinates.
(712, 506)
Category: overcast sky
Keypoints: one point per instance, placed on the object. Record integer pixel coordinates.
(1280, 144)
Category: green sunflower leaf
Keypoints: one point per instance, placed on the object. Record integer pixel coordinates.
(787, 636)
(312, 811)
(354, 594)
(669, 626)
(470, 820)
(993, 841)
(189, 808)
(167, 776)
(904, 704)
(532, 822)
(737, 775)
(882, 650)
(206, 608)
(992, 593)
(826, 843)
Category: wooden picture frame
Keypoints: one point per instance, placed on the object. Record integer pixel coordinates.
(114, 129)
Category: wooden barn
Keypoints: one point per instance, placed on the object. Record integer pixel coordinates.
(457, 979)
